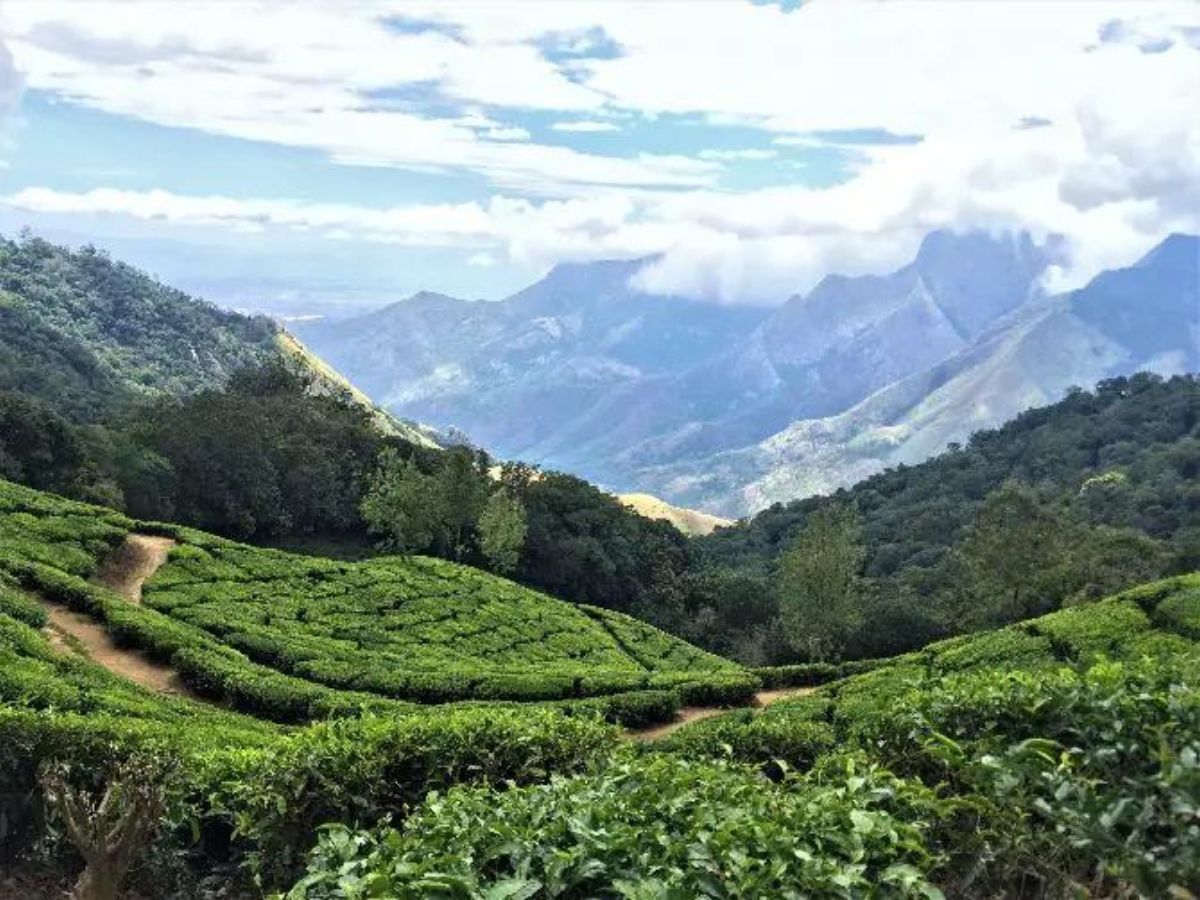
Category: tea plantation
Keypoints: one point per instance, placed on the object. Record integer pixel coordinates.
(320, 755)
(1056, 758)
(292, 638)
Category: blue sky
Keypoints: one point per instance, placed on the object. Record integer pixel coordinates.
(320, 159)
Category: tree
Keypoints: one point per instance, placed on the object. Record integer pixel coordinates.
(462, 483)
(818, 582)
(110, 830)
(403, 505)
(502, 527)
(1018, 555)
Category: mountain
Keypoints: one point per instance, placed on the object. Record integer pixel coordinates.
(86, 335)
(689, 521)
(1145, 317)
(816, 355)
(517, 374)
(582, 372)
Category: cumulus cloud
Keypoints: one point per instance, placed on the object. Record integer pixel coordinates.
(1070, 118)
(584, 126)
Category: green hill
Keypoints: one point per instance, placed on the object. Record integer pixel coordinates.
(293, 637)
(85, 333)
(1050, 754)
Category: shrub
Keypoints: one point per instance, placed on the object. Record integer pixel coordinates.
(649, 827)
(633, 709)
(359, 771)
(766, 739)
(21, 606)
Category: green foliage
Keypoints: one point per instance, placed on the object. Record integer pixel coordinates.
(266, 454)
(1015, 553)
(582, 544)
(20, 606)
(818, 583)
(357, 772)
(86, 334)
(1081, 778)
(1117, 502)
(648, 828)
(402, 504)
(1180, 612)
(502, 527)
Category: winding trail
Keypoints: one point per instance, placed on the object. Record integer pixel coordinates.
(124, 572)
(132, 564)
(689, 714)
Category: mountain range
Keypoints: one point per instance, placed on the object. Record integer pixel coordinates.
(732, 408)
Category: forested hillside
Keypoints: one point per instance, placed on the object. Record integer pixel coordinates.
(86, 333)
(1067, 501)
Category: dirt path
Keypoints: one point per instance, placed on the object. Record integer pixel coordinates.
(129, 567)
(695, 713)
(124, 572)
(70, 631)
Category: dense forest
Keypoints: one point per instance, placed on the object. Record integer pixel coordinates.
(1065, 502)
(87, 333)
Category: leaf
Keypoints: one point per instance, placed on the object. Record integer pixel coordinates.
(513, 889)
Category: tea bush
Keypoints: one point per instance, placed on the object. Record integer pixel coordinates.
(650, 827)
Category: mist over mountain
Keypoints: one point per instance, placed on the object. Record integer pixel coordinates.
(732, 408)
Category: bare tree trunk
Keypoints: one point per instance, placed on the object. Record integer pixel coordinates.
(98, 882)
(110, 830)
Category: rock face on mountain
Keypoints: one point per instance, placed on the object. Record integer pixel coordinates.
(729, 409)
(1143, 318)
(516, 375)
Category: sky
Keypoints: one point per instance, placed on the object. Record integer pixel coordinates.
(328, 158)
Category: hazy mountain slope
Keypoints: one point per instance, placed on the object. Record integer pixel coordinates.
(516, 374)
(1146, 317)
(816, 355)
(583, 373)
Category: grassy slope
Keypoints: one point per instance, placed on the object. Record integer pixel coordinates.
(291, 637)
(689, 521)
(1158, 621)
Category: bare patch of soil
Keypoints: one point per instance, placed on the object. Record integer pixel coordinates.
(766, 698)
(695, 713)
(97, 644)
(132, 564)
(139, 557)
(685, 715)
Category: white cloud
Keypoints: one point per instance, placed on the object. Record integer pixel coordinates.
(749, 153)
(1113, 165)
(319, 76)
(584, 126)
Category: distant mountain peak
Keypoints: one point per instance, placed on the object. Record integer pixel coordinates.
(1175, 249)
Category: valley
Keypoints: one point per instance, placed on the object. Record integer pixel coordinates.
(739, 450)
(860, 374)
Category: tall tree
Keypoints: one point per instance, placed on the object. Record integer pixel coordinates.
(403, 505)
(1020, 554)
(502, 527)
(463, 486)
(819, 581)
